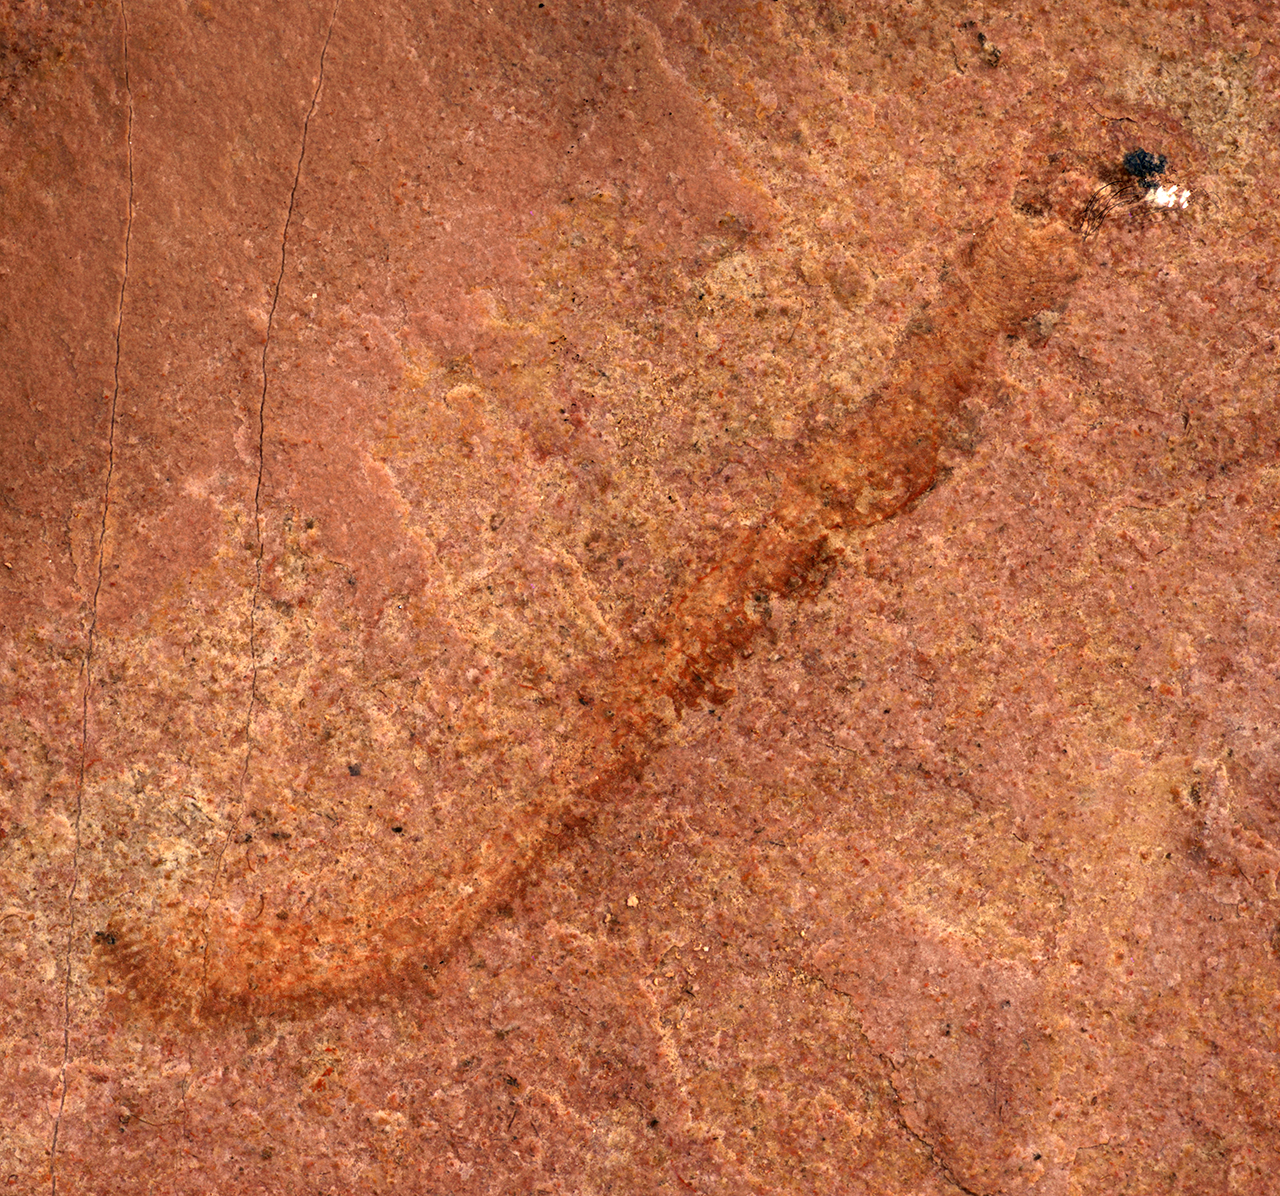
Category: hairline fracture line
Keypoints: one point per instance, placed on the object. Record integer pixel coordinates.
(257, 496)
(87, 665)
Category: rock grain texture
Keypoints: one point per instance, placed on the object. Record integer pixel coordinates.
(605, 598)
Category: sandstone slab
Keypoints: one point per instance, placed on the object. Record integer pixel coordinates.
(614, 598)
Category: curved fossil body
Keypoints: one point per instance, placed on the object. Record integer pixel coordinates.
(869, 466)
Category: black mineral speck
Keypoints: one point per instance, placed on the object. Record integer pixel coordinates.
(1145, 167)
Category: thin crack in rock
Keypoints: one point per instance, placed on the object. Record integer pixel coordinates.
(87, 667)
(257, 500)
(928, 1146)
(890, 1074)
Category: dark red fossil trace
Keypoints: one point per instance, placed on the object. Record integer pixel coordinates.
(200, 966)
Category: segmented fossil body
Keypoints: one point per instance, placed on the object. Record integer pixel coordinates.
(866, 467)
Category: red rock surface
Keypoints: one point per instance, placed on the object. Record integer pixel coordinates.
(613, 599)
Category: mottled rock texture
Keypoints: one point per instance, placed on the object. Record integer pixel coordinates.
(610, 598)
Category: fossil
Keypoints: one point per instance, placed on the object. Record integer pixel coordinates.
(870, 465)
